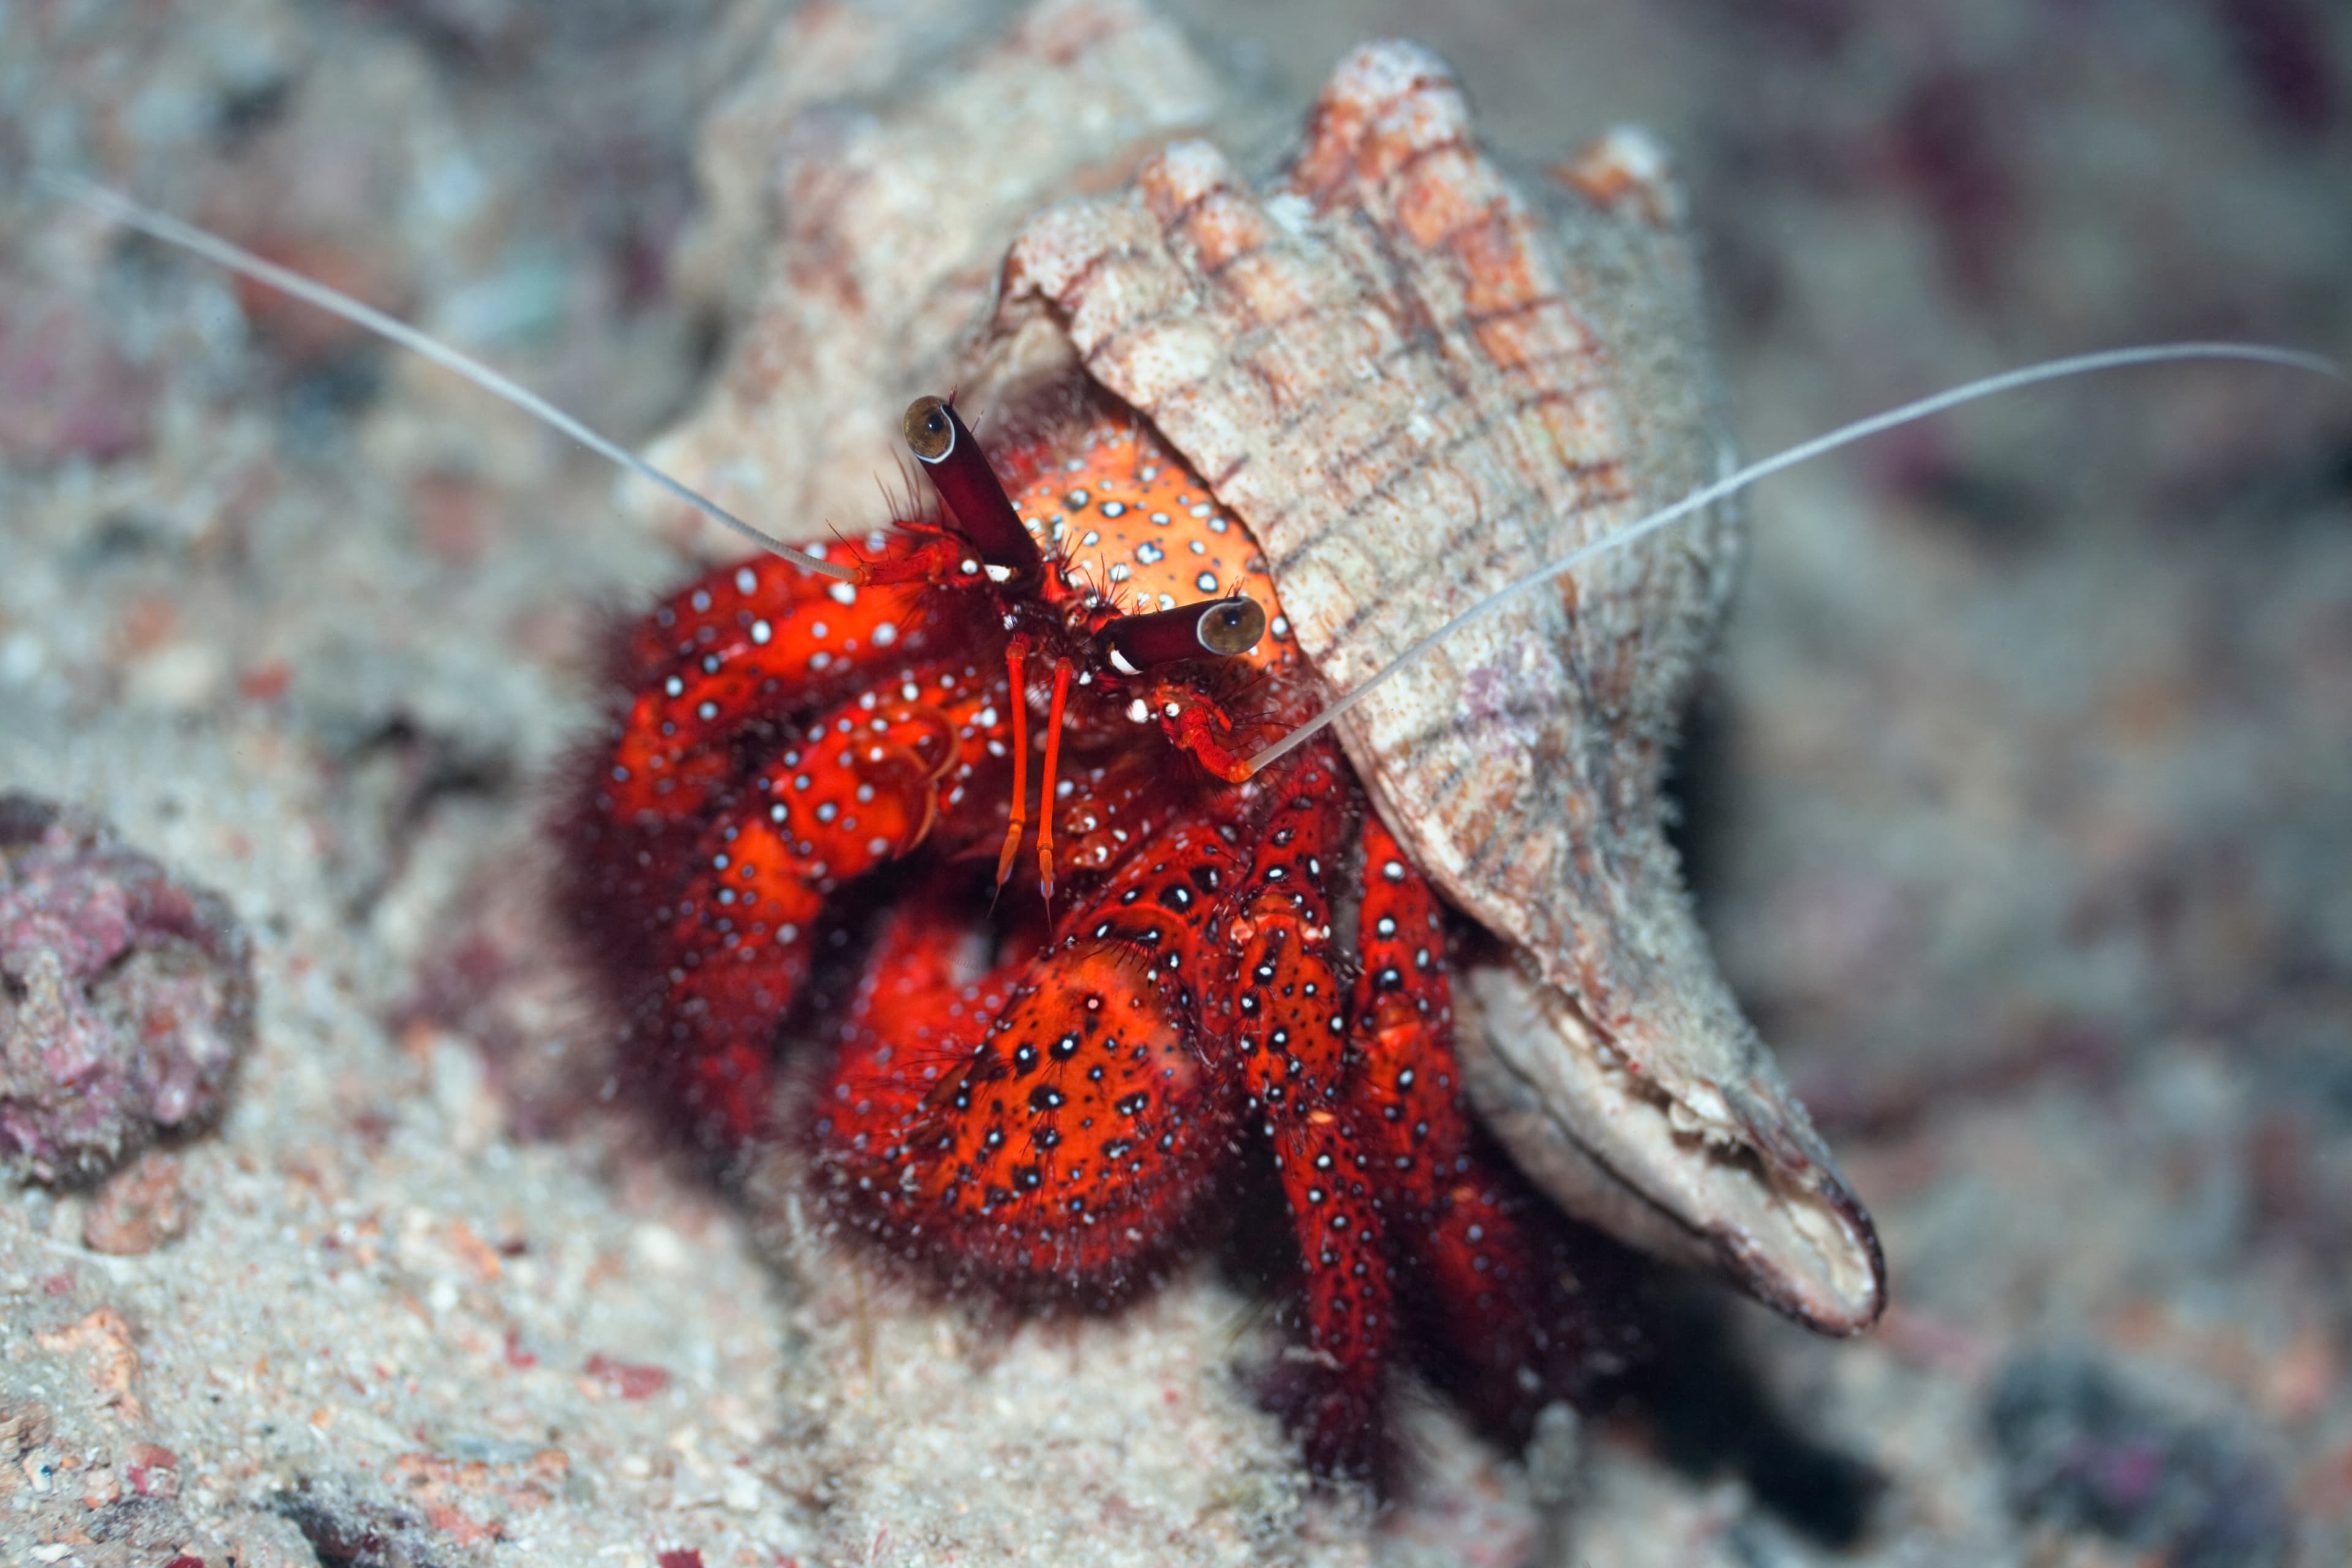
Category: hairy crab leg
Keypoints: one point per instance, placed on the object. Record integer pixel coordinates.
(1291, 1038)
(859, 792)
(1077, 1134)
(721, 654)
(1521, 1291)
(911, 1024)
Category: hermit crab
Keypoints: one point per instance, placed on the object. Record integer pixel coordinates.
(1216, 966)
(1208, 970)
(1242, 450)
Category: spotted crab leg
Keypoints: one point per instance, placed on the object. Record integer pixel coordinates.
(860, 790)
(1291, 1041)
(1076, 1135)
(1500, 1280)
(910, 1026)
(714, 658)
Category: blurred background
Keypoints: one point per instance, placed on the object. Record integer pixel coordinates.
(2019, 799)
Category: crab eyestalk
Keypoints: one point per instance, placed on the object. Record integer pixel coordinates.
(1214, 628)
(944, 444)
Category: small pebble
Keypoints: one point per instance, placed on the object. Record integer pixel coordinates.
(141, 1207)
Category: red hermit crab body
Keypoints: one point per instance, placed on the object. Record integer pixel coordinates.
(1047, 1097)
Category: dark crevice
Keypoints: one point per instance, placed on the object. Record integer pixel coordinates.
(1709, 1414)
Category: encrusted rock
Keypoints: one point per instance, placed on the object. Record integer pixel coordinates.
(126, 996)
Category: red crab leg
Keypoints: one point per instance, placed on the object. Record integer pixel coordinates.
(860, 791)
(1078, 1132)
(708, 609)
(719, 655)
(1503, 1284)
(1062, 672)
(912, 1024)
(1291, 1041)
(1016, 659)
(1402, 1007)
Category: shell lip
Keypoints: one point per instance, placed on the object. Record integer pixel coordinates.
(1742, 1186)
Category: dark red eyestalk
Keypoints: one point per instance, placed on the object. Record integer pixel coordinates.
(1214, 628)
(944, 445)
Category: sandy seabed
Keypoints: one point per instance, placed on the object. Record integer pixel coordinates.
(2017, 803)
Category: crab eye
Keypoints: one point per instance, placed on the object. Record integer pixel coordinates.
(1231, 627)
(1214, 628)
(929, 428)
(960, 470)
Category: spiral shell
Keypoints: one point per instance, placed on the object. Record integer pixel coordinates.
(1414, 383)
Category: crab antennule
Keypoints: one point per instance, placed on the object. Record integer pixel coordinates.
(1804, 451)
(171, 231)
(1016, 661)
(1062, 670)
(944, 444)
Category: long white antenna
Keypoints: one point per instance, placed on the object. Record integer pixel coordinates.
(211, 247)
(2007, 380)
